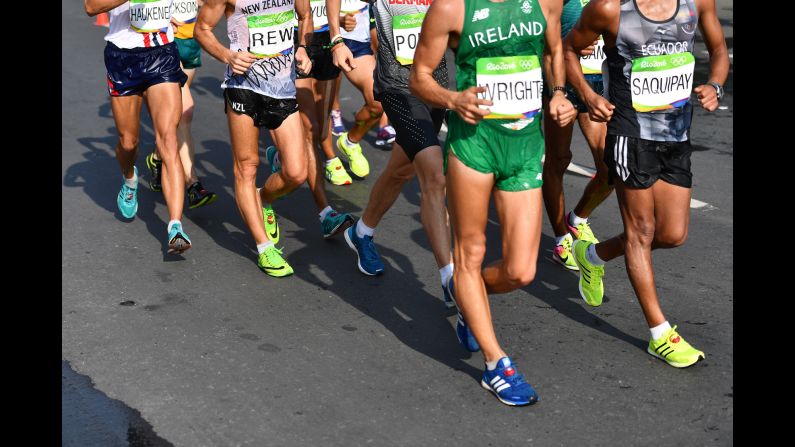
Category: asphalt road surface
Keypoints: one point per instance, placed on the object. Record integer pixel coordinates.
(205, 350)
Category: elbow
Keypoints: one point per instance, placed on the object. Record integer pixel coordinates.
(91, 9)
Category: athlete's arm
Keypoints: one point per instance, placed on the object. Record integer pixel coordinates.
(560, 108)
(718, 53)
(443, 19)
(208, 18)
(341, 55)
(348, 21)
(597, 18)
(94, 7)
(304, 14)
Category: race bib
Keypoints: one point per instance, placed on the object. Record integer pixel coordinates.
(271, 35)
(319, 17)
(593, 64)
(352, 6)
(513, 83)
(662, 82)
(406, 34)
(184, 10)
(150, 16)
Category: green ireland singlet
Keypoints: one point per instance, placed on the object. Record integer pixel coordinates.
(501, 48)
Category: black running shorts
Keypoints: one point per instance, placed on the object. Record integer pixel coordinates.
(639, 163)
(323, 68)
(265, 111)
(416, 124)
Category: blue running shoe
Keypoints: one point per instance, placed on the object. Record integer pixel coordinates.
(127, 199)
(273, 159)
(178, 241)
(337, 126)
(449, 294)
(335, 223)
(508, 385)
(464, 335)
(369, 260)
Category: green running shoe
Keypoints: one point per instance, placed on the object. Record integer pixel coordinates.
(562, 254)
(272, 263)
(582, 231)
(359, 165)
(271, 223)
(591, 288)
(674, 350)
(336, 174)
(335, 223)
(155, 170)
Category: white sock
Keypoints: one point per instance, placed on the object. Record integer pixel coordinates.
(363, 230)
(592, 257)
(659, 331)
(131, 182)
(446, 273)
(263, 246)
(331, 160)
(348, 141)
(559, 239)
(171, 224)
(325, 212)
(575, 220)
(492, 365)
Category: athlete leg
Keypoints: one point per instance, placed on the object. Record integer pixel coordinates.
(468, 195)
(164, 102)
(520, 227)
(184, 138)
(292, 154)
(370, 113)
(597, 189)
(127, 115)
(386, 189)
(557, 157)
(428, 164)
(310, 123)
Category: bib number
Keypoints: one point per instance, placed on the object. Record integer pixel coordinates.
(150, 16)
(271, 35)
(406, 34)
(513, 83)
(184, 10)
(662, 82)
(592, 64)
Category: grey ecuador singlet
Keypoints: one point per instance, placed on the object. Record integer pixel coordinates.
(398, 24)
(265, 29)
(650, 74)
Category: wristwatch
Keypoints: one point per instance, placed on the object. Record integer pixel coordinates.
(718, 89)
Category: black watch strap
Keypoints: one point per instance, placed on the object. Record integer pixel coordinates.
(718, 89)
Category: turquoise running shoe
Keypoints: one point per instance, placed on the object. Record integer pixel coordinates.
(178, 241)
(127, 199)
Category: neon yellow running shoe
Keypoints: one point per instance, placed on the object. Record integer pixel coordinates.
(359, 165)
(562, 254)
(582, 231)
(336, 174)
(674, 350)
(591, 288)
(271, 223)
(272, 263)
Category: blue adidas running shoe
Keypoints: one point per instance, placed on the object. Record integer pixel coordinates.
(464, 335)
(178, 241)
(508, 385)
(449, 299)
(369, 260)
(127, 200)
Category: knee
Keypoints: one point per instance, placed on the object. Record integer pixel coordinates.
(187, 115)
(434, 182)
(469, 253)
(671, 238)
(294, 176)
(641, 232)
(402, 175)
(128, 142)
(556, 162)
(520, 275)
(375, 109)
(246, 169)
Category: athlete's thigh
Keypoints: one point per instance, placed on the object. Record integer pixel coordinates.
(468, 193)
(292, 150)
(164, 102)
(671, 208)
(324, 98)
(557, 139)
(399, 163)
(307, 106)
(428, 161)
(127, 113)
(636, 205)
(244, 136)
(520, 224)
(187, 97)
(362, 76)
(594, 134)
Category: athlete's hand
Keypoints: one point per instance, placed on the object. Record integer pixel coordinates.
(561, 110)
(342, 57)
(587, 51)
(176, 23)
(348, 21)
(708, 97)
(599, 109)
(467, 104)
(302, 61)
(240, 61)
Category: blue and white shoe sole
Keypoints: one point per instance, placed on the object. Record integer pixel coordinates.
(512, 404)
(358, 260)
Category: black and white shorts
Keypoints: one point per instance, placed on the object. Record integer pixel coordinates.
(265, 111)
(416, 123)
(639, 163)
